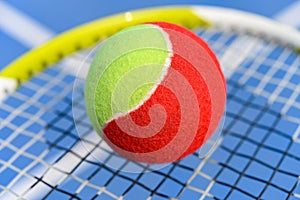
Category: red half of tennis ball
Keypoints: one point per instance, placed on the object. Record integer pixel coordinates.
(155, 92)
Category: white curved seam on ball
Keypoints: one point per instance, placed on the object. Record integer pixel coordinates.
(162, 77)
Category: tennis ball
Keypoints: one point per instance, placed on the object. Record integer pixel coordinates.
(155, 92)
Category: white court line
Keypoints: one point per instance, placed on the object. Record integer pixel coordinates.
(21, 27)
(290, 15)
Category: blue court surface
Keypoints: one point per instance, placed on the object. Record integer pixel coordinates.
(42, 152)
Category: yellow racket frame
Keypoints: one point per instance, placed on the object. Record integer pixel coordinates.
(88, 34)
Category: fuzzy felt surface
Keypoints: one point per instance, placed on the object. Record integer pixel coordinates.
(192, 48)
(183, 110)
(187, 105)
(123, 71)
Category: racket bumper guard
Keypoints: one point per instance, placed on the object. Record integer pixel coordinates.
(7, 86)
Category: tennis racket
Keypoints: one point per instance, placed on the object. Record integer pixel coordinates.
(49, 150)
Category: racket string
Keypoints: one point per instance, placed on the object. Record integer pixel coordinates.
(64, 164)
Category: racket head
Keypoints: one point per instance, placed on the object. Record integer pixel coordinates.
(256, 157)
(134, 167)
